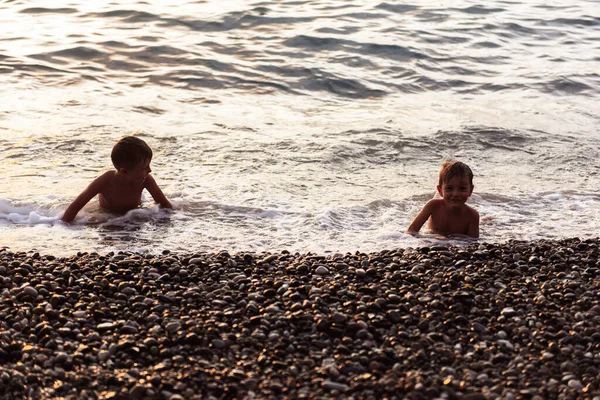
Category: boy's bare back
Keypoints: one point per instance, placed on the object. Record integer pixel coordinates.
(120, 196)
(117, 195)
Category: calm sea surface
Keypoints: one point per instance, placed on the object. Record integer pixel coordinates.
(298, 125)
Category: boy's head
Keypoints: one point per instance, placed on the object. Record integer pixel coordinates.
(455, 169)
(456, 183)
(129, 152)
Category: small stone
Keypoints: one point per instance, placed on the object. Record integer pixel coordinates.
(547, 355)
(509, 312)
(339, 318)
(575, 384)
(172, 327)
(128, 329)
(272, 309)
(30, 291)
(506, 344)
(129, 291)
(61, 358)
(105, 326)
(499, 285)
(331, 385)
(321, 270)
(268, 259)
(103, 355)
(137, 392)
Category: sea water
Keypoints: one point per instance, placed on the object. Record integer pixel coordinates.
(297, 125)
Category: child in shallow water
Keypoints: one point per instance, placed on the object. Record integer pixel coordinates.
(121, 190)
(450, 215)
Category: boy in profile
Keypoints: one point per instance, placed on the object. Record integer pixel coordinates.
(450, 215)
(121, 190)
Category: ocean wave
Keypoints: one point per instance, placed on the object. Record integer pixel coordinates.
(572, 85)
(80, 53)
(127, 16)
(398, 8)
(480, 10)
(43, 10)
(587, 22)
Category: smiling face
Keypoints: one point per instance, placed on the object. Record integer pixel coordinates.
(456, 191)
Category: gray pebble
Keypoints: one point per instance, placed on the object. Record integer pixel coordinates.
(30, 291)
(172, 327)
(321, 270)
(575, 384)
(331, 385)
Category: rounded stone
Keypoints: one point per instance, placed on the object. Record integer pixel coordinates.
(575, 384)
(321, 270)
(30, 291)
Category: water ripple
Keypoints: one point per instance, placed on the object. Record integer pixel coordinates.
(42, 10)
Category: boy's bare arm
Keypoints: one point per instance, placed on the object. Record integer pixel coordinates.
(421, 218)
(156, 193)
(474, 225)
(93, 189)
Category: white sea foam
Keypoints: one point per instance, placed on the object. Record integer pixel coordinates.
(213, 226)
(24, 215)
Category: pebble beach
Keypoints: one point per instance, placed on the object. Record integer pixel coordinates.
(483, 321)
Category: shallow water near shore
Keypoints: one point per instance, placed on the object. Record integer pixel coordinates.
(304, 126)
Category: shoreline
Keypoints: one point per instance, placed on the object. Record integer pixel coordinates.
(481, 321)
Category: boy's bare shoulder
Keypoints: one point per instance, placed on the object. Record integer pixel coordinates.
(435, 203)
(473, 213)
(107, 177)
(104, 181)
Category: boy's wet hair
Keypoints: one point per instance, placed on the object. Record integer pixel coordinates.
(452, 168)
(129, 152)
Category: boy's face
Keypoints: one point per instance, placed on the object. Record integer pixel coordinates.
(456, 191)
(139, 173)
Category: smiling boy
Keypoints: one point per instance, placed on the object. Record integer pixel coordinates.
(450, 215)
(121, 190)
